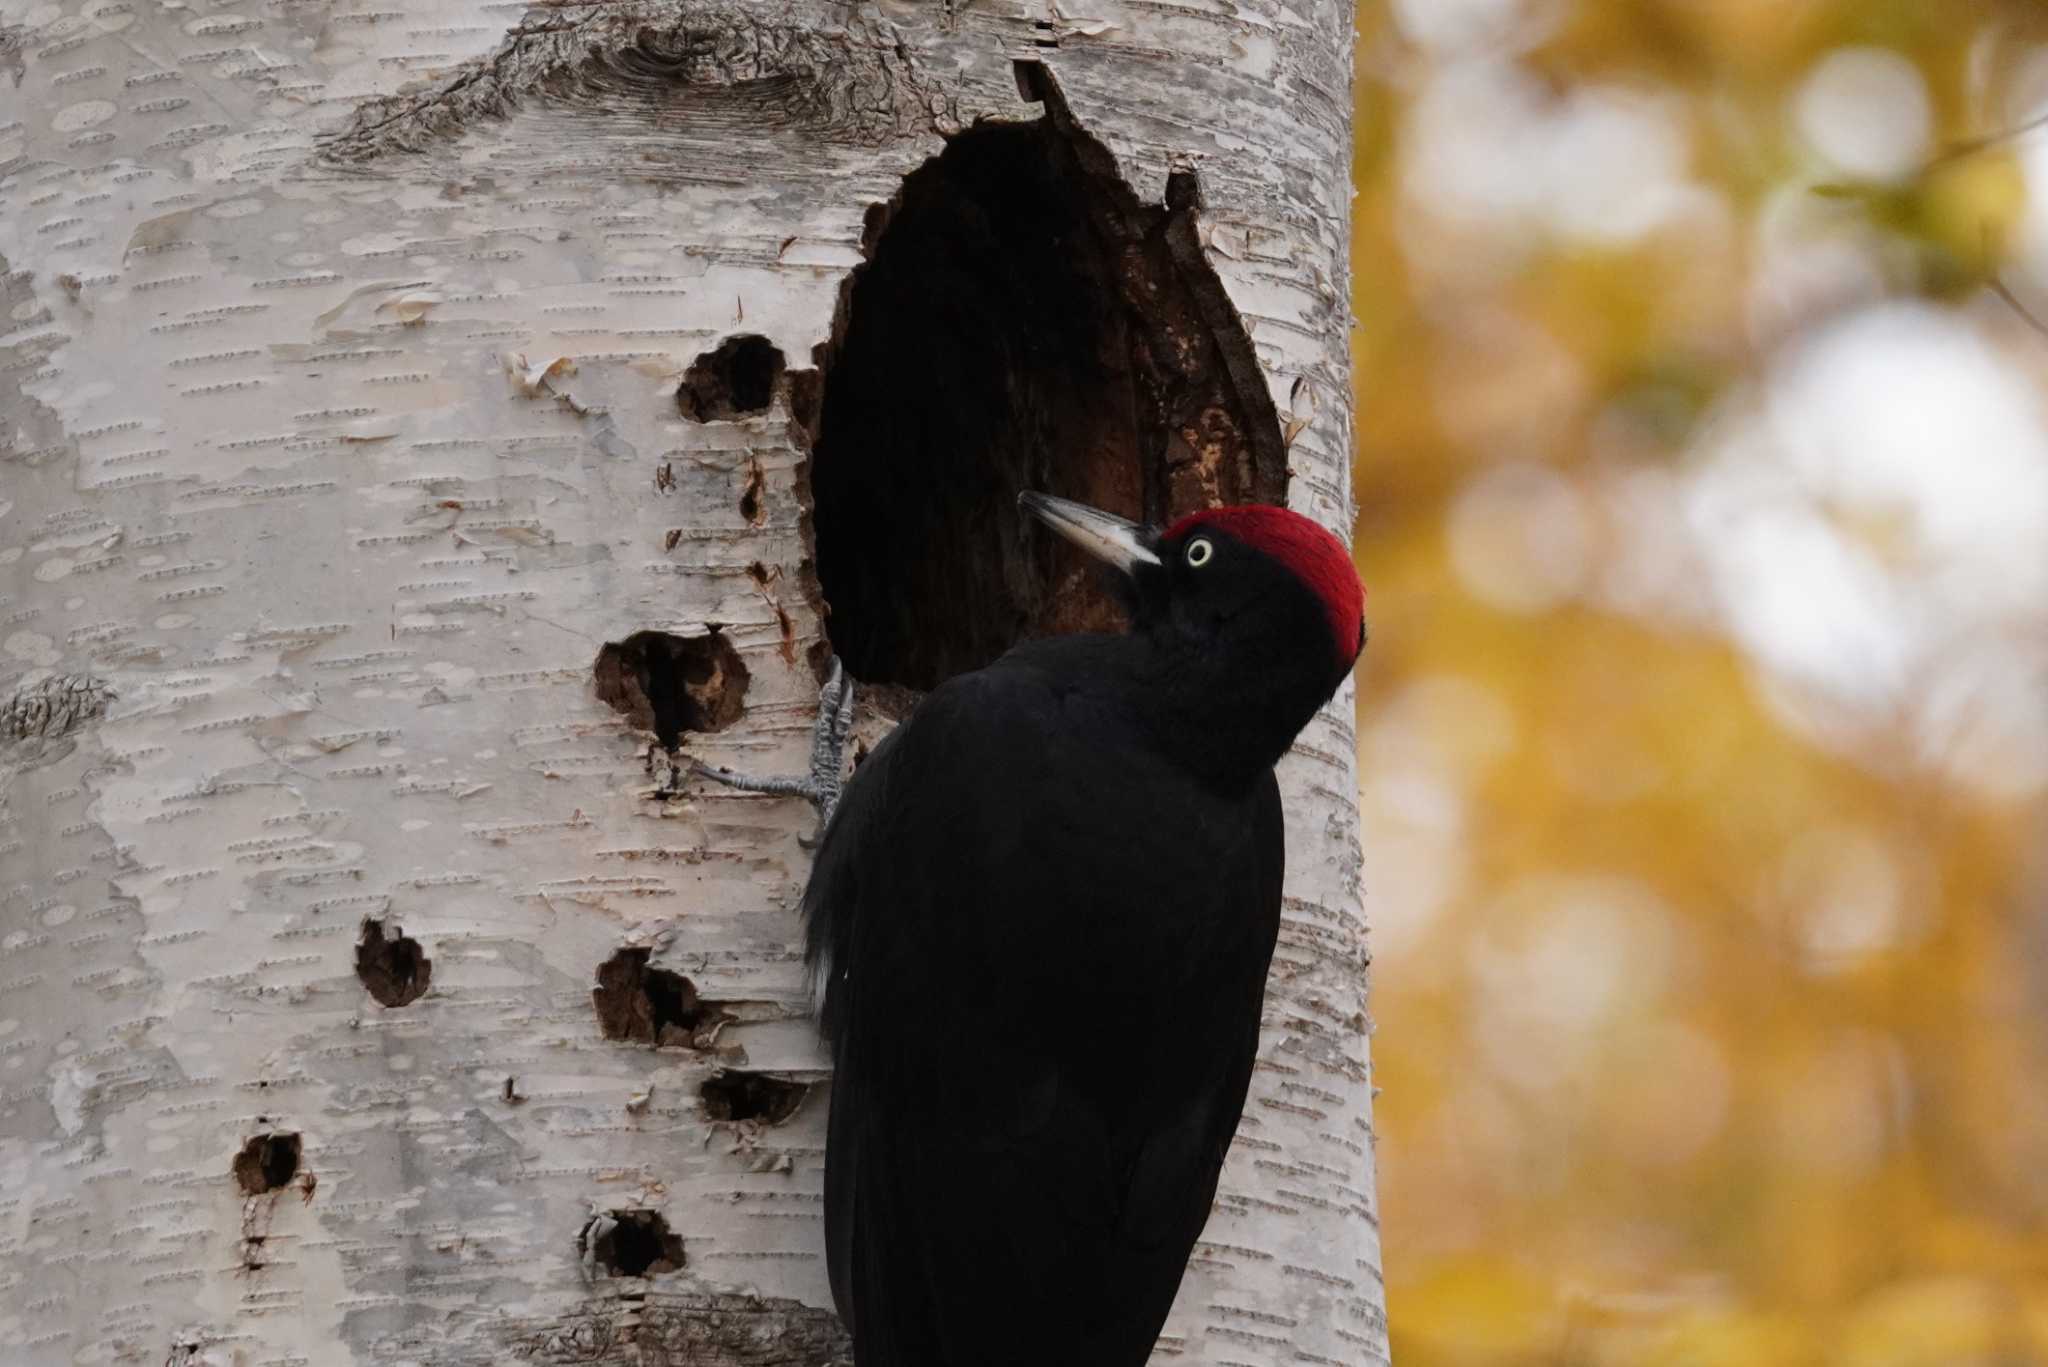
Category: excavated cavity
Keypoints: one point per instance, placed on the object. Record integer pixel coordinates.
(635, 1243)
(734, 379)
(734, 1095)
(391, 964)
(267, 1162)
(672, 685)
(652, 1005)
(1022, 321)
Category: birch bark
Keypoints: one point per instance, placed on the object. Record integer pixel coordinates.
(366, 993)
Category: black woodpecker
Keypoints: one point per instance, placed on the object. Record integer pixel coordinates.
(1041, 918)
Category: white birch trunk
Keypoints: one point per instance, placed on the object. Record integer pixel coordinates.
(303, 584)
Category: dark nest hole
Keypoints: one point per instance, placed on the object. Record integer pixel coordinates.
(635, 1243)
(636, 1001)
(1023, 321)
(392, 965)
(733, 1095)
(267, 1162)
(672, 685)
(734, 379)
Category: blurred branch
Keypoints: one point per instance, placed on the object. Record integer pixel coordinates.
(2012, 301)
(1973, 146)
(2005, 294)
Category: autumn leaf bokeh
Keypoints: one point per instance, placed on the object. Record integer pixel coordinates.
(1703, 484)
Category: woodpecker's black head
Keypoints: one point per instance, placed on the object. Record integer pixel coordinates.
(1252, 613)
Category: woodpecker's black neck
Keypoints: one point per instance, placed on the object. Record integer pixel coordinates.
(1224, 663)
(1226, 716)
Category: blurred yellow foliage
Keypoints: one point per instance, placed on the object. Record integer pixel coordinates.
(1712, 1031)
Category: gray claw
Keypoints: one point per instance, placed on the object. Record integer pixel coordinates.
(827, 777)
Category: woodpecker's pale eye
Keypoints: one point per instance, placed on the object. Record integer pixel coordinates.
(1200, 552)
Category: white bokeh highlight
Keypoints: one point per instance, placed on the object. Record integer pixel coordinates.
(1490, 146)
(1521, 538)
(1865, 111)
(1875, 523)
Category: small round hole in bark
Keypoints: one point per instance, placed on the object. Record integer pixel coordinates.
(732, 380)
(734, 1095)
(672, 685)
(636, 1001)
(635, 1243)
(267, 1162)
(391, 964)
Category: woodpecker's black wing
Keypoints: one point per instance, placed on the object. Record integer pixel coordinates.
(1044, 950)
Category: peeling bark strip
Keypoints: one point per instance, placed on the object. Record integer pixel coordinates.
(689, 1329)
(713, 63)
(1024, 321)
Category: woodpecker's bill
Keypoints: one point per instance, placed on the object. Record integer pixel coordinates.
(1041, 917)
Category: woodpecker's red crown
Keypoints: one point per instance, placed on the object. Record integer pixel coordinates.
(1306, 548)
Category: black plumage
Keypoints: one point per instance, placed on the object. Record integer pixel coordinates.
(1042, 915)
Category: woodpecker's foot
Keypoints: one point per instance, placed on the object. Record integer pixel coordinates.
(827, 777)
